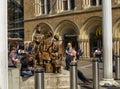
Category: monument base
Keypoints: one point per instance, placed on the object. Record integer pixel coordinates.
(51, 81)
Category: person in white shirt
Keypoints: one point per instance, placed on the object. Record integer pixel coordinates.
(98, 54)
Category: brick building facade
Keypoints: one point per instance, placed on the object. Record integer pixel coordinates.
(77, 21)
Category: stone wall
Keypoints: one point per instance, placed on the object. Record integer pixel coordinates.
(13, 78)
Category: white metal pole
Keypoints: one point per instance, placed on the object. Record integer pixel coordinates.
(107, 39)
(3, 45)
(107, 43)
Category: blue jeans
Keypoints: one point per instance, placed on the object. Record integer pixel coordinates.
(29, 73)
(68, 60)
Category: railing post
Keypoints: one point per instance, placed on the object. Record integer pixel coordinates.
(95, 74)
(73, 75)
(39, 78)
(117, 67)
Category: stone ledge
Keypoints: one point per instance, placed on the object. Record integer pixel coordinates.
(52, 81)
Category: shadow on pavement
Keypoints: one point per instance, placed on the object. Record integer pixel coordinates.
(86, 87)
(112, 87)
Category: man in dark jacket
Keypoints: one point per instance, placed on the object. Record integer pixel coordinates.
(27, 65)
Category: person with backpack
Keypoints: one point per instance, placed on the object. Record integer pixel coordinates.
(27, 65)
(79, 53)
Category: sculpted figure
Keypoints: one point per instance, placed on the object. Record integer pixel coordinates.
(45, 54)
(38, 46)
(57, 54)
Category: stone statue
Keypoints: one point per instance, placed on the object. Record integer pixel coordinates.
(56, 54)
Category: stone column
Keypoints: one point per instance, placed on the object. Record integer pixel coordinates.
(86, 3)
(3, 46)
(58, 6)
(113, 43)
(41, 12)
(85, 48)
(69, 5)
(45, 6)
(89, 3)
(114, 46)
(83, 4)
(88, 49)
(118, 47)
(62, 6)
(97, 2)
(107, 44)
(37, 7)
(82, 45)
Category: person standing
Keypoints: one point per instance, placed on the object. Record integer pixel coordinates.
(81, 76)
(98, 54)
(79, 53)
(68, 55)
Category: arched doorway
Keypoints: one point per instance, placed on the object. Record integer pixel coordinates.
(68, 31)
(72, 38)
(95, 39)
(91, 35)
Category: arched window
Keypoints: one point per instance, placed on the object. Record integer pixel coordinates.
(68, 4)
(93, 2)
(48, 6)
(100, 2)
(65, 4)
(42, 7)
(72, 4)
(96, 2)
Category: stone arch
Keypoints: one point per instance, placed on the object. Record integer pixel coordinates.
(116, 36)
(44, 28)
(88, 24)
(89, 27)
(67, 28)
(66, 24)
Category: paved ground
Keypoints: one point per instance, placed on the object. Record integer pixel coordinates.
(86, 67)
